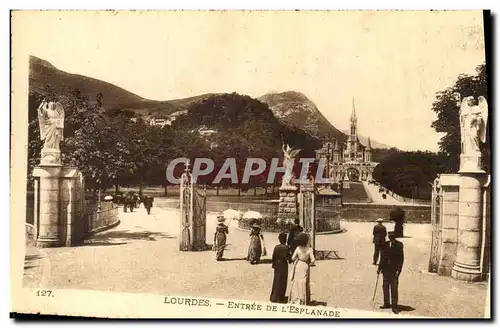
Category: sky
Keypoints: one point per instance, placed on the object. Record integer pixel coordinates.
(391, 63)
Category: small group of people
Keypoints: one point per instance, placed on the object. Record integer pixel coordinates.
(256, 249)
(302, 259)
(293, 248)
(391, 255)
(132, 200)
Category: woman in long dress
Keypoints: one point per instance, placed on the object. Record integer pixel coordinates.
(256, 245)
(221, 230)
(303, 259)
(281, 257)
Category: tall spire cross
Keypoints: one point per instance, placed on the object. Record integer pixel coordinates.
(353, 114)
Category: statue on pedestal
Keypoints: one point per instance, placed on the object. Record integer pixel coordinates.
(289, 156)
(51, 123)
(473, 120)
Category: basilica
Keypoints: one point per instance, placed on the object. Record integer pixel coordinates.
(350, 159)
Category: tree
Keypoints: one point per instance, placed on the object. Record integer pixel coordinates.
(245, 127)
(93, 142)
(409, 174)
(448, 122)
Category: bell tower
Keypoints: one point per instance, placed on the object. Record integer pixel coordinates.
(353, 135)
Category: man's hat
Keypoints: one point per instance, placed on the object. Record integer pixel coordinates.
(380, 220)
(391, 233)
(221, 218)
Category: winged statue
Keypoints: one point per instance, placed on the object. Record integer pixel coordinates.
(289, 155)
(473, 123)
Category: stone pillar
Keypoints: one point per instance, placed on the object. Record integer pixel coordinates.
(35, 210)
(48, 219)
(59, 218)
(467, 265)
(70, 216)
(288, 209)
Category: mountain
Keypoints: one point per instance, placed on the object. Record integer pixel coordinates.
(44, 78)
(297, 110)
(291, 108)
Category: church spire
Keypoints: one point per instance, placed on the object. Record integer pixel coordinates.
(369, 146)
(353, 114)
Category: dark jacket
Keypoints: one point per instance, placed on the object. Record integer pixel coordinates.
(294, 231)
(392, 258)
(379, 234)
(281, 257)
(148, 201)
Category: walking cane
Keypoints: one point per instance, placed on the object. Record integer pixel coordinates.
(375, 291)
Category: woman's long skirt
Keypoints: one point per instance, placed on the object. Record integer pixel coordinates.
(220, 245)
(280, 280)
(300, 286)
(255, 249)
(398, 229)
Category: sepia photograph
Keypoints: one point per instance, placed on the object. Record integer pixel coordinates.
(251, 164)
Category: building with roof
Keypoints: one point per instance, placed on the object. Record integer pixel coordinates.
(350, 160)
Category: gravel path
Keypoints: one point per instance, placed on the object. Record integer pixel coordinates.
(141, 255)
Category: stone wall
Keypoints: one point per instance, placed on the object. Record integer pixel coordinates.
(350, 212)
(486, 258)
(447, 223)
(97, 220)
(288, 207)
(72, 209)
(371, 212)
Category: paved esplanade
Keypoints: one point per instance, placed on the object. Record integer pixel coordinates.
(141, 255)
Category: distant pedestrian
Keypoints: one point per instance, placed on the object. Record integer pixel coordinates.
(398, 216)
(128, 202)
(300, 280)
(137, 200)
(281, 257)
(148, 203)
(256, 244)
(295, 230)
(220, 238)
(379, 234)
(391, 264)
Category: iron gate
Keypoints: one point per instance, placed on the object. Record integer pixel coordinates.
(436, 212)
(307, 211)
(193, 215)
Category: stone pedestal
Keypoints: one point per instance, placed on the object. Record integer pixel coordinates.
(467, 265)
(49, 234)
(60, 195)
(288, 209)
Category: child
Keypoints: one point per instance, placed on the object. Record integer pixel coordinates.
(220, 237)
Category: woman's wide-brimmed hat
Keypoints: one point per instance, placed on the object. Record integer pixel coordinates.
(220, 218)
(380, 220)
(255, 225)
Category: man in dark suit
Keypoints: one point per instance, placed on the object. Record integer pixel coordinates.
(294, 231)
(391, 264)
(379, 233)
(148, 203)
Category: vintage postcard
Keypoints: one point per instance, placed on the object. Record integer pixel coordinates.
(250, 164)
